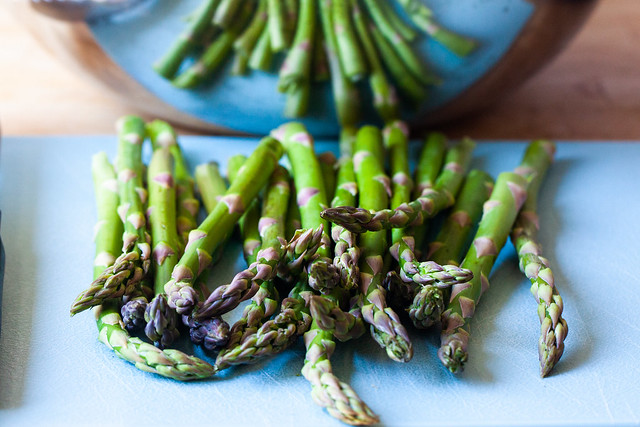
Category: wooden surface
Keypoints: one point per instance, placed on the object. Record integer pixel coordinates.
(591, 91)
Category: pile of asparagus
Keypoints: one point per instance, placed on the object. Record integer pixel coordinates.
(333, 247)
(346, 41)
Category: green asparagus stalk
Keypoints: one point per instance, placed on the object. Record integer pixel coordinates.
(216, 52)
(320, 61)
(311, 197)
(210, 184)
(374, 189)
(352, 60)
(499, 214)
(262, 56)
(161, 326)
(340, 400)
(277, 31)
(385, 98)
(344, 325)
(345, 94)
(328, 164)
(167, 66)
(212, 231)
(293, 222)
(162, 134)
(432, 200)
(423, 18)
(132, 265)
(226, 13)
(247, 41)
(553, 328)
(427, 170)
(429, 303)
(402, 28)
(169, 363)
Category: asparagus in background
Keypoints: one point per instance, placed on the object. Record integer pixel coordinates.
(108, 238)
(553, 328)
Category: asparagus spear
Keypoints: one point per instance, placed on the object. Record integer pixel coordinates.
(429, 303)
(345, 94)
(161, 326)
(169, 363)
(212, 231)
(431, 201)
(162, 134)
(499, 214)
(352, 60)
(311, 197)
(210, 183)
(227, 11)
(374, 187)
(277, 32)
(262, 55)
(328, 166)
(132, 266)
(167, 66)
(553, 328)
(424, 19)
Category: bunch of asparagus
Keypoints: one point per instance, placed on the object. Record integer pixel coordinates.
(345, 41)
(333, 247)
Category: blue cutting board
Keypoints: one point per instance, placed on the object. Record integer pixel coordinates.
(251, 104)
(54, 372)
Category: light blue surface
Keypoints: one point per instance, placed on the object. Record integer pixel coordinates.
(53, 370)
(252, 103)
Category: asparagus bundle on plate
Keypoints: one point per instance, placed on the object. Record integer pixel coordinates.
(346, 41)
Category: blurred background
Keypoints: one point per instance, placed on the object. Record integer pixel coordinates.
(590, 91)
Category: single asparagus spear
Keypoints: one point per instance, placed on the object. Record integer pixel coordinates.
(346, 253)
(374, 192)
(340, 400)
(226, 13)
(432, 200)
(169, 363)
(161, 320)
(328, 165)
(385, 98)
(553, 328)
(162, 134)
(352, 60)
(345, 94)
(499, 214)
(428, 304)
(277, 32)
(311, 197)
(132, 265)
(167, 66)
(210, 184)
(427, 170)
(423, 18)
(216, 52)
(213, 230)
